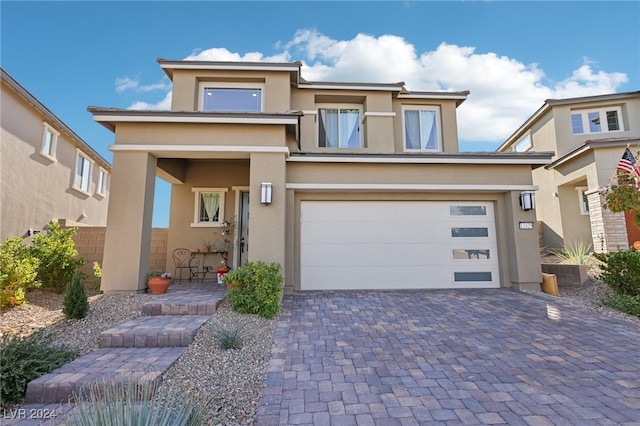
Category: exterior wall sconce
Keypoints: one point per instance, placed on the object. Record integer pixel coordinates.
(266, 193)
(527, 201)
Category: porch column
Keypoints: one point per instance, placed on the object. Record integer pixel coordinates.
(128, 235)
(267, 222)
(523, 245)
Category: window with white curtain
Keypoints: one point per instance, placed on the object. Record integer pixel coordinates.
(208, 206)
(339, 127)
(422, 128)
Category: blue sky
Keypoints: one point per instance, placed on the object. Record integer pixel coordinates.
(510, 55)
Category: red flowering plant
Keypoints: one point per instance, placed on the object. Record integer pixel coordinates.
(226, 246)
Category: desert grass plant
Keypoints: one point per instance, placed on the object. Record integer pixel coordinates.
(114, 403)
(576, 253)
(230, 335)
(75, 304)
(23, 359)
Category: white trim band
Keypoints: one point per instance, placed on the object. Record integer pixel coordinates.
(417, 160)
(192, 119)
(197, 148)
(406, 187)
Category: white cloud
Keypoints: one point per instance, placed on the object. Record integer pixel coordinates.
(129, 83)
(504, 91)
(163, 105)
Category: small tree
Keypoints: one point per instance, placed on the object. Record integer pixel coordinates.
(75, 303)
(58, 256)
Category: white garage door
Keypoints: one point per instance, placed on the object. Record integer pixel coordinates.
(397, 245)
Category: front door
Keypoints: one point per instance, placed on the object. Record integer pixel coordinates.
(243, 228)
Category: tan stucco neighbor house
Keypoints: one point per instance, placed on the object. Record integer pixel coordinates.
(47, 172)
(347, 185)
(589, 136)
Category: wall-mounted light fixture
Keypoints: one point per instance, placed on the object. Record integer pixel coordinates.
(266, 193)
(527, 201)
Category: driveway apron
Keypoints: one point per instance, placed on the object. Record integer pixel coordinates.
(469, 357)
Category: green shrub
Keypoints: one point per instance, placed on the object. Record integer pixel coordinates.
(23, 359)
(17, 272)
(58, 256)
(621, 271)
(75, 303)
(117, 404)
(230, 336)
(255, 288)
(623, 303)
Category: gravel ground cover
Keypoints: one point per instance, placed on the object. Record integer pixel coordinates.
(228, 381)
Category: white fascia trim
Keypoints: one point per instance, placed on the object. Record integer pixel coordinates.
(412, 160)
(442, 95)
(406, 187)
(329, 86)
(228, 66)
(379, 114)
(197, 148)
(169, 119)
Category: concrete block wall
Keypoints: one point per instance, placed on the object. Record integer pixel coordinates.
(567, 275)
(90, 245)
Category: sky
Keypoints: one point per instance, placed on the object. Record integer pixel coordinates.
(510, 55)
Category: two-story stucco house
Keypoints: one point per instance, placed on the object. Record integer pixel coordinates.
(347, 185)
(589, 136)
(47, 172)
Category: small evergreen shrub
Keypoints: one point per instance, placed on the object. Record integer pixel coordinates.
(23, 359)
(623, 303)
(230, 336)
(58, 257)
(621, 271)
(124, 404)
(255, 288)
(75, 303)
(17, 272)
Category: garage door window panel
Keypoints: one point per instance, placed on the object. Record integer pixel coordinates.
(471, 254)
(457, 232)
(472, 276)
(468, 210)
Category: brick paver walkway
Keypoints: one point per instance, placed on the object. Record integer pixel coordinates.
(449, 357)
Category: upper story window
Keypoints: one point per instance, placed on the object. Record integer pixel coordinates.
(523, 144)
(49, 142)
(209, 206)
(596, 121)
(101, 187)
(339, 127)
(83, 172)
(229, 97)
(422, 128)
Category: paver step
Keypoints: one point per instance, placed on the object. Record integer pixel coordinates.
(152, 332)
(123, 365)
(183, 301)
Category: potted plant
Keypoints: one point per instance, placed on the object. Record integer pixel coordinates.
(158, 281)
(206, 246)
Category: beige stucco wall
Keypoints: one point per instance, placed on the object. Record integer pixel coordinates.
(33, 189)
(275, 94)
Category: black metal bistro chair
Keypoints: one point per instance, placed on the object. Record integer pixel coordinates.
(184, 261)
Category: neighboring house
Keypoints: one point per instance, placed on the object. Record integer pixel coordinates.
(589, 136)
(349, 185)
(47, 172)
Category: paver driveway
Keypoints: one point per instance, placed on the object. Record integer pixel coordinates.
(449, 357)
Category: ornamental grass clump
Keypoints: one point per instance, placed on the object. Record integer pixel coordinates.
(115, 403)
(255, 288)
(231, 335)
